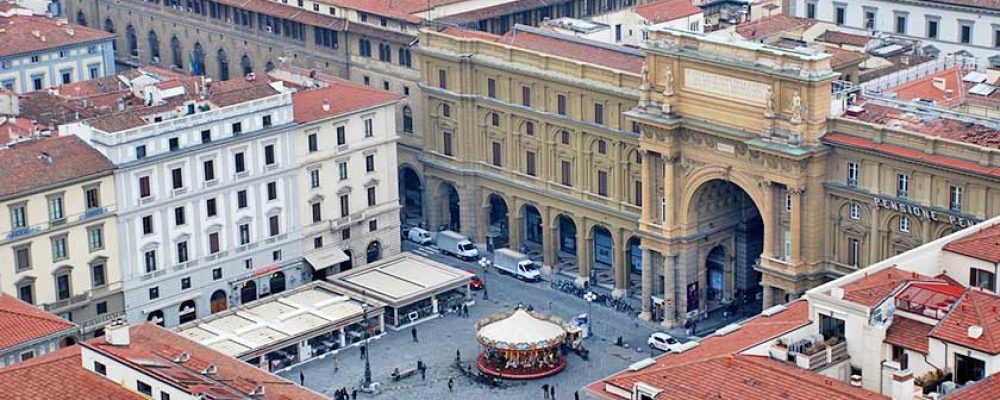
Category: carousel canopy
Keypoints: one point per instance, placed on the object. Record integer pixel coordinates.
(521, 331)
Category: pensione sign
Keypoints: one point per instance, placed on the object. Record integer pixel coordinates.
(923, 213)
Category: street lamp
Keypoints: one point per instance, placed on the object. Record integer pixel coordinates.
(590, 297)
(366, 384)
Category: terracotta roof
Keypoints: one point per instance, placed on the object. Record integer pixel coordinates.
(342, 96)
(928, 88)
(991, 5)
(288, 12)
(22, 166)
(398, 9)
(582, 50)
(909, 334)
(975, 308)
(234, 377)
(21, 322)
(667, 10)
(979, 135)
(841, 58)
(873, 288)
(850, 39)
(59, 375)
(984, 389)
(229, 93)
(754, 331)
(508, 8)
(983, 245)
(470, 34)
(768, 26)
(13, 129)
(18, 34)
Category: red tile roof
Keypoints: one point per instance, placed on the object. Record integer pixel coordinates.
(342, 96)
(667, 10)
(21, 322)
(926, 89)
(888, 149)
(582, 50)
(976, 308)
(470, 34)
(59, 375)
(873, 288)
(18, 34)
(850, 39)
(508, 8)
(753, 332)
(776, 24)
(982, 390)
(909, 334)
(13, 129)
(23, 168)
(983, 245)
(398, 9)
(841, 58)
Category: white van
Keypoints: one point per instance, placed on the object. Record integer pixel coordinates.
(516, 264)
(419, 236)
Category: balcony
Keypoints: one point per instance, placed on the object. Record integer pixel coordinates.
(811, 353)
(82, 298)
(93, 213)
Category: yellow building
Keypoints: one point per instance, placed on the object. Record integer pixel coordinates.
(730, 164)
(59, 242)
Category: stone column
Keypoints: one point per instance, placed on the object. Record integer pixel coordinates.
(432, 195)
(482, 229)
(669, 177)
(670, 301)
(647, 284)
(467, 215)
(796, 223)
(767, 214)
(648, 188)
(548, 240)
(618, 265)
(583, 260)
(767, 299)
(516, 225)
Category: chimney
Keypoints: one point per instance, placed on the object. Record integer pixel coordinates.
(117, 333)
(940, 84)
(902, 385)
(326, 105)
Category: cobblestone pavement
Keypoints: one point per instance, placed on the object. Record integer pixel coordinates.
(440, 338)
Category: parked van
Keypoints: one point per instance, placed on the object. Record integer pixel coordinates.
(516, 264)
(456, 244)
(419, 235)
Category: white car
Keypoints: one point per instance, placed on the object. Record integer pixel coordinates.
(663, 341)
(419, 235)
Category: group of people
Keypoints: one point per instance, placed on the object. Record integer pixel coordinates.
(343, 394)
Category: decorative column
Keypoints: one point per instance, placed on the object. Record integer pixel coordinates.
(548, 240)
(583, 260)
(669, 177)
(767, 214)
(796, 223)
(515, 225)
(483, 229)
(768, 297)
(618, 266)
(647, 284)
(670, 301)
(648, 187)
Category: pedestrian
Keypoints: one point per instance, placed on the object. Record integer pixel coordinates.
(545, 390)
(465, 310)
(423, 374)
(576, 395)
(458, 355)
(687, 327)
(552, 392)
(451, 385)
(336, 364)
(363, 350)
(302, 378)
(486, 294)
(354, 394)
(413, 332)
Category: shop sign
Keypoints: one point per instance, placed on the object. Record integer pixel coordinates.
(923, 213)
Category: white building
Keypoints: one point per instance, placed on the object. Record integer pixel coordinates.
(629, 25)
(949, 26)
(206, 183)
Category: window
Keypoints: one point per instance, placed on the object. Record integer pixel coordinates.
(237, 128)
(982, 279)
(239, 161)
(101, 308)
(788, 202)
(561, 104)
(530, 167)
(369, 128)
(529, 128)
(345, 234)
(26, 292)
(904, 224)
(313, 143)
(495, 119)
(841, 13)
(853, 247)
(496, 155)
(179, 216)
(955, 198)
(244, 230)
(18, 217)
(901, 24)
(173, 144)
(147, 225)
(831, 326)
(602, 183)
(345, 205)
(56, 212)
(342, 170)
(272, 190)
(371, 196)
(269, 154)
(491, 88)
(314, 178)
(811, 10)
(276, 255)
(567, 171)
(525, 96)
(855, 211)
(210, 208)
(62, 287)
(317, 242)
(36, 81)
(98, 275)
(177, 177)
(266, 121)
(406, 60)
(996, 38)
(968, 369)
(59, 248)
(638, 194)
(140, 151)
(446, 110)
(599, 114)
(565, 137)
(902, 185)
(341, 135)
(965, 33)
(370, 163)
(317, 211)
(27, 355)
(149, 259)
(367, 80)
(407, 119)
(185, 283)
(787, 245)
(869, 19)
(182, 252)
(241, 199)
(141, 386)
(446, 139)
(209, 169)
(932, 28)
(93, 198)
(206, 136)
(216, 274)
(273, 225)
(100, 368)
(373, 225)
(852, 174)
(22, 258)
(442, 79)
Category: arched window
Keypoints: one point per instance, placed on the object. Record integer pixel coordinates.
(373, 252)
(109, 27)
(384, 52)
(246, 65)
(277, 282)
(219, 301)
(154, 47)
(132, 40)
(364, 47)
(81, 19)
(269, 66)
(175, 52)
(198, 60)
(223, 65)
(407, 119)
(405, 57)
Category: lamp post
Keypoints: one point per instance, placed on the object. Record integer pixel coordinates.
(366, 384)
(590, 297)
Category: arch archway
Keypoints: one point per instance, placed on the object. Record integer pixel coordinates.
(373, 252)
(132, 41)
(246, 65)
(411, 195)
(198, 59)
(269, 66)
(633, 258)
(248, 292)
(220, 301)
(223, 59)
(497, 221)
(532, 225)
(348, 263)
(278, 283)
(603, 246)
(81, 18)
(450, 216)
(187, 312)
(176, 54)
(154, 47)
(109, 27)
(156, 317)
(67, 341)
(567, 234)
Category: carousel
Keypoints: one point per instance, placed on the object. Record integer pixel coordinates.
(521, 345)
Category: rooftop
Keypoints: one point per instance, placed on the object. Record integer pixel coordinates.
(508, 8)
(59, 375)
(945, 89)
(913, 120)
(909, 334)
(46, 162)
(844, 38)
(337, 96)
(666, 10)
(21, 322)
(873, 289)
(23, 33)
(583, 50)
(401, 279)
(984, 245)
(777, 24)
(974, 309)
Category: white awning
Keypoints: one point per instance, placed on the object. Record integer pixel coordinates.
(326, 258)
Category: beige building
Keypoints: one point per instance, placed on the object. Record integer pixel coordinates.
(777, 194)
(59, 244)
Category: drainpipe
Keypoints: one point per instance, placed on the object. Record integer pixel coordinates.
(347, 48)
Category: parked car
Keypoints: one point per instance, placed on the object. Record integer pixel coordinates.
(516, 264)
(456, 244)
(419, 235)
(663, 341)
(476, 283)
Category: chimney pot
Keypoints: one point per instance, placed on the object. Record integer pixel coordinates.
(326, 105)
(117, 334)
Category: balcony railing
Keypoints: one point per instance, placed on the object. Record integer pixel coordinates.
(813, 357)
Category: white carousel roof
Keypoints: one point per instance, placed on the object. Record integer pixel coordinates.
(521, 327)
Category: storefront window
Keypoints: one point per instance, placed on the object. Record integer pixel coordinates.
(451, 299)
(412, 312)
(283, 358)
(325, 343)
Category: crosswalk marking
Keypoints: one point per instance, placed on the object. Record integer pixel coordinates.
(426, 251)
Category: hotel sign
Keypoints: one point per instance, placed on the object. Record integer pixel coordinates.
(725, 86)
(923, 213)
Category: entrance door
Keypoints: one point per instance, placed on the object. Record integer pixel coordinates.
(248, 292)
(219, 302)
(277, 282)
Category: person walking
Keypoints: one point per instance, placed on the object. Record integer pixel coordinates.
(413, 332)
(354, 394)
(576, 395)
(451, 384)
(423, 373)
(458, 355)
(486, 294)
(552, 392)
(545, 391)
(302, 378)
(465, 310)
(336, 364)
(363, 350)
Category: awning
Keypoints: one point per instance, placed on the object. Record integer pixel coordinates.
(326, 258)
